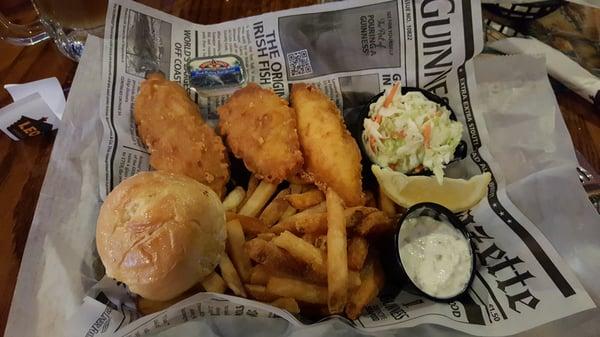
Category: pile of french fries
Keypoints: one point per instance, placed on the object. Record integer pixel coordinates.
(299, 249)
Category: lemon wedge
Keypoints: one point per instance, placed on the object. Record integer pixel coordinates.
(455, 194)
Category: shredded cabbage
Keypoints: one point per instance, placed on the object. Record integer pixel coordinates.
(410, 134)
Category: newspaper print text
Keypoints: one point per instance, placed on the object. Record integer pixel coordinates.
(437, 45)
(509, 279)
(270, 70)
(183, 53)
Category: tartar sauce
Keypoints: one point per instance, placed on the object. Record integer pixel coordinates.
(435, 255)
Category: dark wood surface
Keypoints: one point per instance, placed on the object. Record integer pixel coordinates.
(23, 164)
(583, 123)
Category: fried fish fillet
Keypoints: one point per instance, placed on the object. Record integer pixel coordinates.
(260, 128)
(331, 155)
(177, 137)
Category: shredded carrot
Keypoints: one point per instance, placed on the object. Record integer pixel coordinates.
(399, 134)
(378, 119)
(426, 134)
(390, 96)
(372, 143)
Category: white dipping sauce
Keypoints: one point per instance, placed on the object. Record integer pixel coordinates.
(436, 256)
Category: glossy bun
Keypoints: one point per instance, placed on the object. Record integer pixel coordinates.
(160, 233)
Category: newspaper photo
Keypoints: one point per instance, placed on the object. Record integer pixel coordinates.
(352, 50)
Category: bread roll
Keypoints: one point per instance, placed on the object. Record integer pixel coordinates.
(160, 233)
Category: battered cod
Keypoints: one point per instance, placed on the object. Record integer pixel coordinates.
(260, 128)
(177, 137)
(331, 156)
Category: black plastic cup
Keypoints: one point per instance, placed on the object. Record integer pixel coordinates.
(391, 259)
(355, 125)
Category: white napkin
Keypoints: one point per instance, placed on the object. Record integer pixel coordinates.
(37, 108)
(27, 117)
(48, 88)
(559, 66)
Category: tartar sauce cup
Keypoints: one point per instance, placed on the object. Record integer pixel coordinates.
(397, 271)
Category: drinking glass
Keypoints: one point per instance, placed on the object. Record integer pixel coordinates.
(67, 22)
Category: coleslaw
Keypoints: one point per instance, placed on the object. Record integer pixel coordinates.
(409, 133)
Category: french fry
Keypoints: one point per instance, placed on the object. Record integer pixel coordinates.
(229, 215)
(266, 236)
(374, 224)
(302, 251)
(303, 222)
(259, 293)
(258, 199)
(214, 283)
(318, 208)
(321, 243)
(234, 199)
(251, 225)
(286, 303)
(310, 238)
(294, 188)
(355, 215)
(305, 200)
(235, 248)
(231, 277)
(370, 199)
(288, 213)
(260, 275)
(386, 204)
(299, 290)
(274, 261)
(353, 279)
(372, 280)
(275, 209)
(312, 276)
(252, 184)
(337, 258)
(358, 248)
(273, 257)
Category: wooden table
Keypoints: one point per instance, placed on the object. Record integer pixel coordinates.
(23, 164)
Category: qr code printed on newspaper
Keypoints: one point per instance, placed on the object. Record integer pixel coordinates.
(299, 63)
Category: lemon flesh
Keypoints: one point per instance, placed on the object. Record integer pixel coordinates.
(455, 194)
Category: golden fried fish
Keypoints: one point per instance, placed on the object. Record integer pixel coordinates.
(177, 137)
(331, 156)
(260, 128)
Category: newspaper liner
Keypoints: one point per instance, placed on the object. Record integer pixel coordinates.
(521, 281)
(268, 45)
